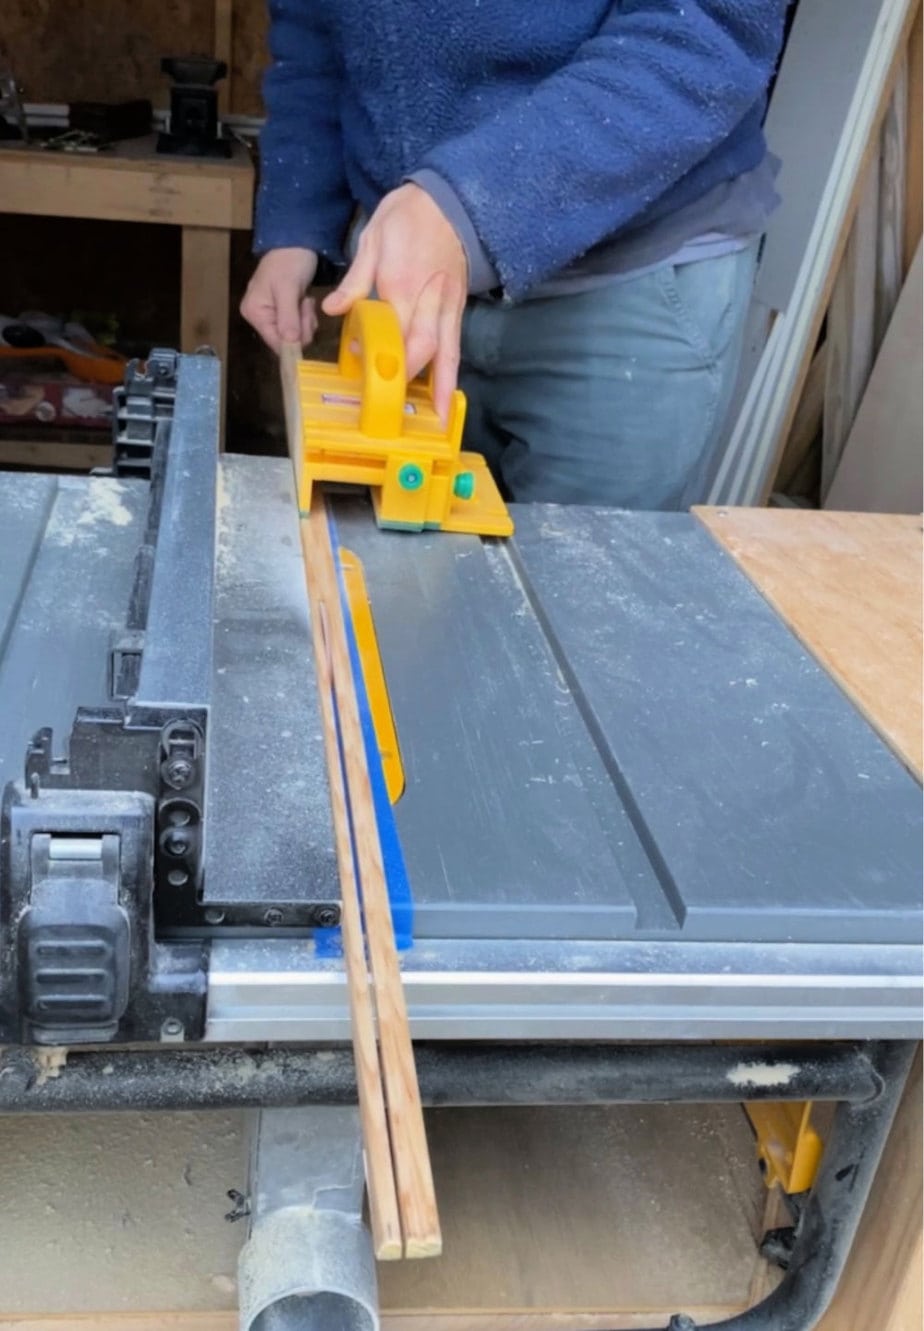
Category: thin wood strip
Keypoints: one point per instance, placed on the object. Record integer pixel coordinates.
(383, 1198)
(411, 1157)
(413, 1174)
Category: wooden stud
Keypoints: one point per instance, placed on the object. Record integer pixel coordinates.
(205, 300)
(224, 50)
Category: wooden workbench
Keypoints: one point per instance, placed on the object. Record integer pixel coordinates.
(207, 198)
(562, 1220)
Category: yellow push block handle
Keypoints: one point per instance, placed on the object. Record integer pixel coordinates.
(372, 326)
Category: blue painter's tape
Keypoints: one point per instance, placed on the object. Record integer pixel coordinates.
(396, 876)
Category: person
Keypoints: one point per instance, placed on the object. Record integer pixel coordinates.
(563, 200)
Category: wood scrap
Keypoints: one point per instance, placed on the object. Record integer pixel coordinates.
(851, 327)
(806, 426)
(365, 892)
(880, 470)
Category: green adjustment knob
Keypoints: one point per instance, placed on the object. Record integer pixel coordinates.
(463, 487)
(410, 477)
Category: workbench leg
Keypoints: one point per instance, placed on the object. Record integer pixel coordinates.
(205, 297)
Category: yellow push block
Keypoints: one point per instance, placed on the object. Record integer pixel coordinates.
(362, 424)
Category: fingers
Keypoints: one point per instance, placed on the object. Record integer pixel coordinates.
(274, 303)
(421, 330)
(447, 357)
(259, 309)
(309, 321)
(359, 279)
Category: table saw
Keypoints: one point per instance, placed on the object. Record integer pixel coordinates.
(639, 828)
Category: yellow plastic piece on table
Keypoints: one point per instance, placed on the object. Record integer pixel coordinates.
(367, 645)
(789, 1147)
(362, 424)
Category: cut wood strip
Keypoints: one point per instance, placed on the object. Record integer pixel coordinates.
(380, 1182)
(411, 1158)
(414, 1178)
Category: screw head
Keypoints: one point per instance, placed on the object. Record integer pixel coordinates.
(176, 843)
(171, 1028)
(410, 477)
(325, 917)
(177, 772)
(214, 916)
(273, 917)
(463, 487)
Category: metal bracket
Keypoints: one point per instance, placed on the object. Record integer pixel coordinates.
(146, 398)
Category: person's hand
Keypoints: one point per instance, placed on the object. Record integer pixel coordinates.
(411, 256)
(275, 302)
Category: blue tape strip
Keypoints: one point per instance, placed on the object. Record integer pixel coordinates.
(396, 876)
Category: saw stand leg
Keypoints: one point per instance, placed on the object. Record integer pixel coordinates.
(307, 1264)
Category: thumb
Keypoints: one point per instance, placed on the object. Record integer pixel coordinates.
(356, 285)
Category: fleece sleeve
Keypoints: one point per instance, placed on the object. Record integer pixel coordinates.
(303, 197)
(660, 85)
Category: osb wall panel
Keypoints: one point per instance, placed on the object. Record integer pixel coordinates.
(250, 56)
(70, 50)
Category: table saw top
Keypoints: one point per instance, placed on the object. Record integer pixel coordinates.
(636, 806)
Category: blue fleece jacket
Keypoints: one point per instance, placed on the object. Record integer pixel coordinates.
(556, 124)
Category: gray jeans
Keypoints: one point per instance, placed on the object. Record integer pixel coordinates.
(616, 396)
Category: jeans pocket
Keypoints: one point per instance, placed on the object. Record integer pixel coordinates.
(705, 297)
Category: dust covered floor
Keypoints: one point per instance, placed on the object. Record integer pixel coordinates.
(593, 1210)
